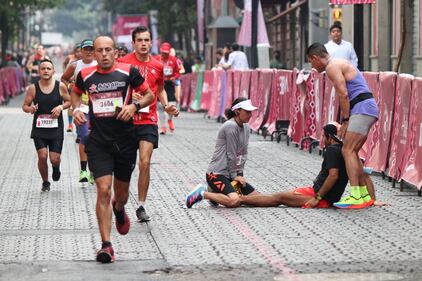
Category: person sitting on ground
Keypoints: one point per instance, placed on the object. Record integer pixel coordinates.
(229, 159)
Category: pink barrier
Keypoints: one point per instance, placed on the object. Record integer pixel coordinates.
(207, 90)
(280, 99)
(237, 78)
(193, 82)
(379, 143)
(412, 166)
(399, 141)
(185, 90)
(313, 105)
(330, 106)
(214, 110)
(245, 83)
(373, 84)
(296, 114)
(229, 89)
(261, 99)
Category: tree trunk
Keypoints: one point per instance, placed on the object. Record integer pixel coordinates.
(403, 35)
(4, 28)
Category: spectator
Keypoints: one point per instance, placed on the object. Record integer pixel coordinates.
(339, 48)
(198, 66)
(237, 59)
(276, 61)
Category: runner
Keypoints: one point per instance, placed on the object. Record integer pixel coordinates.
(68, 77)
(146, 119)
(122, 51)
(177, 82)
(46, 100)
(111, 147)
(359, 111)
(171, 74)
(229, 159)
(34, 62)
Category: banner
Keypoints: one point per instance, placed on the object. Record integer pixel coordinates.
(207, 90)
(123, 26)
(185, 90)
(313, 105)
(237, 78)
(245, 83)
(215, 104)
(379, 144)
(261, 99)
(412, 168)
(399, 140)
(351, 2)
(295, 131)
(245, 34)
(196, 103)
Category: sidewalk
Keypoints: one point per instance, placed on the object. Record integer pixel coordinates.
(54, 236)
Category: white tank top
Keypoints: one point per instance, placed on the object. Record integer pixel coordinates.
(80, 65)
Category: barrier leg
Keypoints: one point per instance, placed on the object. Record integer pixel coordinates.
(401, 186)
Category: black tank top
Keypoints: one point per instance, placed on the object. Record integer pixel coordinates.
(43, 126)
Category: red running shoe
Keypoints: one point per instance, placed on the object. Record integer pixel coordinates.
(171, 125)
(122, 220)
(106, 254)
(163, 130)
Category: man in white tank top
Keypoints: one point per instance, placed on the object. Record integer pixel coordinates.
(69, 76)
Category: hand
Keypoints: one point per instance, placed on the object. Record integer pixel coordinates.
(126, 113)
(380, 204)
(240, 180)
(136, 96)
(33, 108)
(343, 129)
(55, 112)
(312, 203)
(79, 118)
(172, 110)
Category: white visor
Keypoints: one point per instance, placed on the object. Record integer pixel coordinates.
(246, 105)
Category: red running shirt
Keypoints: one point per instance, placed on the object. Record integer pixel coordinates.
(171, 67)
(152, 71)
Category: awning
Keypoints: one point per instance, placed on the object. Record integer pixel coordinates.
(351, 2)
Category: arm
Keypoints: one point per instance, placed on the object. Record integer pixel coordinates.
(66, 98)
(68, 74)
(232, 140)
(76, 100)
(335, 74)
(325, 188)
(27, 105)
(353, 56)
(29, 63)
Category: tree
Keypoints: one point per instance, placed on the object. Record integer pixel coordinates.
(174, 17)
(11, 18)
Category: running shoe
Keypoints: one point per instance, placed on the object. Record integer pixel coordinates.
(351, 202)
(45, 186)
(368, 200)
(195, 196)
(83, 176)
(56, 173)
(163, 130)
(122, 220)
(69, 128)
(171, 125)
(142, 215)
(91, 179)
(106, 254)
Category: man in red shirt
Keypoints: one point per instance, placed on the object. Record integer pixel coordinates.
(145, 120)
(171, 74)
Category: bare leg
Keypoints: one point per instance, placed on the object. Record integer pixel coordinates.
(121, 194)
(145, 152)
(42, 163)
(103, 207)
(55, 159)
(287, 198)
(353, 142)
(231, 200)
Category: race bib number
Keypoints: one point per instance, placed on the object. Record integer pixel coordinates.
(104, 104)
(47, 121)
(168, 71)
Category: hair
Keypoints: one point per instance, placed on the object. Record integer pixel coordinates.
(229, 112)
(317, 49)
(219, 52)
(336, 24)
(235, 47)
(47, 60)
(140, 29)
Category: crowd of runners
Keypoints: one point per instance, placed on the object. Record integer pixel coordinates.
(120, 102)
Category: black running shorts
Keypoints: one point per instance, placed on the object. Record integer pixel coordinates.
(108, 159)
(53, 145)
(221, 184)
(147, 133)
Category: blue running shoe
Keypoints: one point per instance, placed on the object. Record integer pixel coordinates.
(195, 196)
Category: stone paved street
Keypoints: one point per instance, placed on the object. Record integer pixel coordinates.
(54, 236)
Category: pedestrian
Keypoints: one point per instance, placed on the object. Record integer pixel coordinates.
(171, 74)
(145, 121)
(359, 111)
(82, 131)
(177, 82)
(46, 100)
(228, 161)
(339, 48)
(34, 62)
(237, 59)
(276, 61)
(111, 146)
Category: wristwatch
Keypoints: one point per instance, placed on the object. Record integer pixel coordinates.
(138, 106)
(345, 119)
(318, 197)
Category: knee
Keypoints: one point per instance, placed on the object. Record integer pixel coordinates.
(55, 161)
(42, 157)
(104, 193)
(234, 202)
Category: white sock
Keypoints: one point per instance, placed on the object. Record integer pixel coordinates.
(142, 203)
